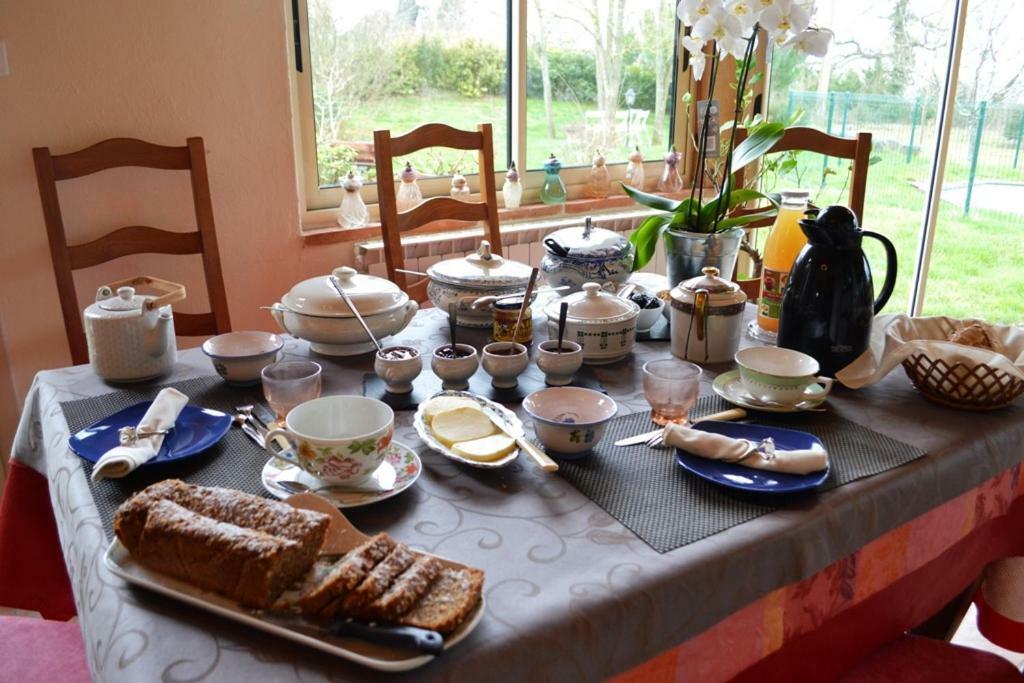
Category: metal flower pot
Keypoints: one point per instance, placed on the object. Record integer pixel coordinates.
(687, 253)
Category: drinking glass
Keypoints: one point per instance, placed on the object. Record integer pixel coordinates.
(671, 387)
(289, 383)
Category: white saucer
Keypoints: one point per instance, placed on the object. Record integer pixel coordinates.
(729, 386)
(401, 465)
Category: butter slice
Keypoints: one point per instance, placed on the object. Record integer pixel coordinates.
(486, 449)
(464, 423)
(441, 403)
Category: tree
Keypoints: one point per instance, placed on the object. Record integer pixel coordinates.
(545, 64)
(659, 35)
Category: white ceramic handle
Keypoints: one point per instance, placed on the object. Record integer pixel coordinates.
(826, 383)
(277, 313)
(410, 312)
(287, 455)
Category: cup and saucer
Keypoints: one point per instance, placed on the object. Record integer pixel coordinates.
(341, 448)
(774, 380)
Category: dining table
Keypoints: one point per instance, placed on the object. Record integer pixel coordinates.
(800, 593)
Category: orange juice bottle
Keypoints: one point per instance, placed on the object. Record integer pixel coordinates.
(784, 244)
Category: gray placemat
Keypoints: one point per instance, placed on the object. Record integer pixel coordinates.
(234, 462)
(668, 507)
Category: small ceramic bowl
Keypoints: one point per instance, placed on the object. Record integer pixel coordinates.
(505, 368)
(649, 316)
(559, 368)
(569, 421)
(239, 357)
(454, 372)
(398, 366)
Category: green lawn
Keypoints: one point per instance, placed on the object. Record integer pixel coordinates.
(977, 266)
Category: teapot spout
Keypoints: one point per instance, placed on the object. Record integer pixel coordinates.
(159, 333)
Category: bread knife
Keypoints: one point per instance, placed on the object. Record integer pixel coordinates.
(405, 637)
(517, 435)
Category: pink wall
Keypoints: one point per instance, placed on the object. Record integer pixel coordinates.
(162, 71)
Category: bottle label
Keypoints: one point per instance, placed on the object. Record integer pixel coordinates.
(773, 283)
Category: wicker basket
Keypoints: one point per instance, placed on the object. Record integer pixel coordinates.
(960, 386)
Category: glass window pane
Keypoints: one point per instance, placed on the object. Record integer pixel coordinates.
(599, 76)
(977, 263)
(398, 64)
(883, 76)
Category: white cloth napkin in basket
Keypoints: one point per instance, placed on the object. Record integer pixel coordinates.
(726, 448)
(123, 460)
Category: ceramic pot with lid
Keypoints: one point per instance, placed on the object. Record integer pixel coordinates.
(462, 280)
(312, 310)
(131, 336)
(574, 256)
(707, 318)
(601, 323)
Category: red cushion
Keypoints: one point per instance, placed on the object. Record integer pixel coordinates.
(42, 651)
(913, 659)
(32, 572)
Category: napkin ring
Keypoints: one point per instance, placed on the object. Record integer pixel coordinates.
(129, 436)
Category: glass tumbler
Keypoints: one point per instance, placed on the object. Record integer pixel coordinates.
(671, 387)
(290, 382)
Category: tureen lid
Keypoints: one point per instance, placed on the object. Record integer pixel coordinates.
(720, 289)
(593, 305)
(481, 268)
(369, 294)
(586, 242)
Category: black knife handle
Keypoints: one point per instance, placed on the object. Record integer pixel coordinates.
(429, 642)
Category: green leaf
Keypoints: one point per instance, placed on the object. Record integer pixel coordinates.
(742, 195)
(759, 142)
(645, 238)
(744, 220)
(651, 200)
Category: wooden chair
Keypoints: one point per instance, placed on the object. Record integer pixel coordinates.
(393, 223)
(813, 140)
(136, 239)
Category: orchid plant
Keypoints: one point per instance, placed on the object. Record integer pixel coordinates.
(716, 29)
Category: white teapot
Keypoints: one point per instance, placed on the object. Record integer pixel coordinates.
(131, 336)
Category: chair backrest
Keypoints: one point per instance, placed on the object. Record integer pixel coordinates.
(393, 223)
(135, 239)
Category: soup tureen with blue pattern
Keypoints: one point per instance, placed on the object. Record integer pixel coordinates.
(577, 255)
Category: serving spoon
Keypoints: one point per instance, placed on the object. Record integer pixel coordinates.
(351, 307)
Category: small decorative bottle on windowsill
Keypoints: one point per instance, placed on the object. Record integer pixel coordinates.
(352, 213)
(635, 176)
(600, 185)
(512, 190)
(409, 195)
(553, 191)
(670, 180)
(460, 188)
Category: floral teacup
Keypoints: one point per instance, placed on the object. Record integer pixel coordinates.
(338, 439)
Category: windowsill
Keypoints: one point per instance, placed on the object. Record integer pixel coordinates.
(320, 226)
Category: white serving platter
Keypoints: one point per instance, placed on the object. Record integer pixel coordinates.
(509, 418)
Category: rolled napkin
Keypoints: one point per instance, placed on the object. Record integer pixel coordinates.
(122, 460)
(720, 447)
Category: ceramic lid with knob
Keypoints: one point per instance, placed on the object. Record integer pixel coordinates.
(721, 292)
(587, 242)
(124, 304)
(481, 269)
(594, 305)
(370, 294)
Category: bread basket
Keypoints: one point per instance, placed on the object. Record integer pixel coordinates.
(960, 385)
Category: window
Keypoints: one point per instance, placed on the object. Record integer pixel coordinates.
(568, 77)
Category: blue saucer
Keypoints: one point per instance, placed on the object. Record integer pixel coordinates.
(748, 478)
(195, 430)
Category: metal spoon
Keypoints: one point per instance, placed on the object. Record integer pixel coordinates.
(453, 314)
(563, 311)
(487, 300)
(522, 309)
(351, 307)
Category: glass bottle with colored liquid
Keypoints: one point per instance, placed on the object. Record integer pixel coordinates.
(784, 244)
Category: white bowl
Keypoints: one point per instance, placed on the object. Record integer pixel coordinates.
(649, 316)
(239, 357)
(569, 421)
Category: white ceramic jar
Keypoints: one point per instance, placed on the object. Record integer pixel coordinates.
(461, 280)
(603, 324)
(130, 337)
(707, 318)
(313, 311)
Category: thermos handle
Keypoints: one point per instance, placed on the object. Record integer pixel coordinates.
(890, 269)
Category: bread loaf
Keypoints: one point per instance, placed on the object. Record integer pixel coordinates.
(448, 602)
(400, 596)
(346, 574)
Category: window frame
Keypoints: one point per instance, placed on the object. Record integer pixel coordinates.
(319, 204)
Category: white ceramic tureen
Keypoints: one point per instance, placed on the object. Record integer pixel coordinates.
(707, 318)
(462, 280)
(573, 256)
(603, 324)
(313, 311)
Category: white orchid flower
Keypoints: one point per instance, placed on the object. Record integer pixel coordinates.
(719, 26)
(698, 59)
(783, 18)
(691, 11)
(747, 11)
(813, 41)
